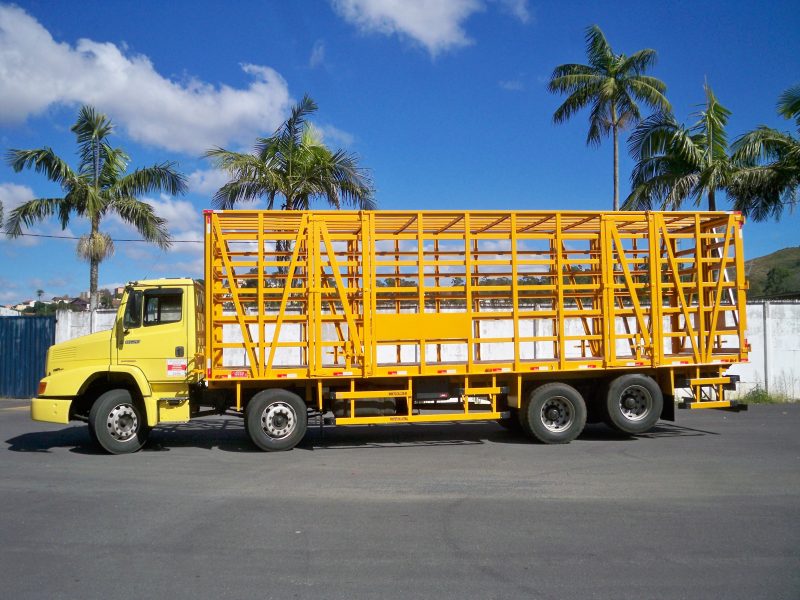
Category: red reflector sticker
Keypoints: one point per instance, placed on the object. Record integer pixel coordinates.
(239, 374)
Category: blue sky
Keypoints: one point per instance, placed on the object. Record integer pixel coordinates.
(445, 101)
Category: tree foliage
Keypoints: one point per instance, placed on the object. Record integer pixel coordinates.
(295, 165)
(610, 85)
(675, 163)
(100, 186)
(770, 165)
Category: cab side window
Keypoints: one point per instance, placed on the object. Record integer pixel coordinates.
(162, 306)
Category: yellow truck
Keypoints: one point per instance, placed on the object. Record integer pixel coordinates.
(541, 320)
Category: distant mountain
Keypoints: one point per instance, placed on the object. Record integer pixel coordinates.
(774, 274)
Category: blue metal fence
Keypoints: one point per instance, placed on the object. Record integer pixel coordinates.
(23, 351)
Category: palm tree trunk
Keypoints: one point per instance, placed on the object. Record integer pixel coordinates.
(614, 128)
(712, 201)
(94, 265)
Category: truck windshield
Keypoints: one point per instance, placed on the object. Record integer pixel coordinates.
(133, 310)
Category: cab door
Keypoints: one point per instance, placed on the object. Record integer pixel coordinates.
(154, 337)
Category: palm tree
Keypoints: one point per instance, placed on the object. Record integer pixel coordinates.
(293, 164)
(611, 84)
(770, 165)
(675, 163)
(100, 186)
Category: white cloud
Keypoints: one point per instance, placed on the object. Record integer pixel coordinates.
(186, 268)
(12, 195)
(516, 8)
(184, 223)
(206, 182)
(181, 215)
(333, 136)
(513, 85)
(317, 54)
(437, 25)
(190, 116)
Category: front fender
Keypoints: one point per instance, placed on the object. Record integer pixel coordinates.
(72, 382)
(138, 377)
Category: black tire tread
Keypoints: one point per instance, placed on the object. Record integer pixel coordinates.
(614, 418)
(252, 419)
(530, 413)
(97, 417)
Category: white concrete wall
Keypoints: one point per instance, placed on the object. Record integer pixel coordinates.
(773, 330)
(70, 325)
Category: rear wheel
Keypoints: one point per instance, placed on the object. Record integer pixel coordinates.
(633, 403)
(554, 413)
(276, 420)
(117, 424)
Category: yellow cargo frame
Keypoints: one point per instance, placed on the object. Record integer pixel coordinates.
(350, 296)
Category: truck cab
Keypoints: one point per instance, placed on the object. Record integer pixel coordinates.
(138, 374)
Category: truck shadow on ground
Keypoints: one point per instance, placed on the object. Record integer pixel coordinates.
(228, 435)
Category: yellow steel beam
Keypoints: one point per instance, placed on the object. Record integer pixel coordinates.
(425, 418)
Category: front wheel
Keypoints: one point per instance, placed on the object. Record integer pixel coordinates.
(117, 424)
(555, 413)
(276, 420)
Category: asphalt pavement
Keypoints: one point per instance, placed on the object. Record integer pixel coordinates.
(707, 507)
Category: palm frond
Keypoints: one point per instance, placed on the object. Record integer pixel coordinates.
(761, 145)
(293, 127)
(42, 160)
(639, 62)
(142, 216)
(572, 69)
(577, 101)
(32, 212)
(113, 165)
(162, 177)
(598, 50)
(789, 104)
(652, 136)
(91, 125)
(242, 190)
(648, 90)
(600, 121)
(91, 129)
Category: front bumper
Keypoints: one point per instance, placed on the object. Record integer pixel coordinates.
(50, 410)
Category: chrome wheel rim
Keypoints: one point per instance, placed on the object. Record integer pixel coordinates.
(635, 402)
(557, 414)
(122, 422)
(278, 420)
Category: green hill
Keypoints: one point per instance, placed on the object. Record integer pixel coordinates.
(774, 274)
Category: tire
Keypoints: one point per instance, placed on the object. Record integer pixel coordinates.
(117, 424)
(554, 413)
(276, 420)
(633, 404)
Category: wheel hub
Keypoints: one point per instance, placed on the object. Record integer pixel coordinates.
(557, 414)
(635, 403)
(278, 420)
(122, 422)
